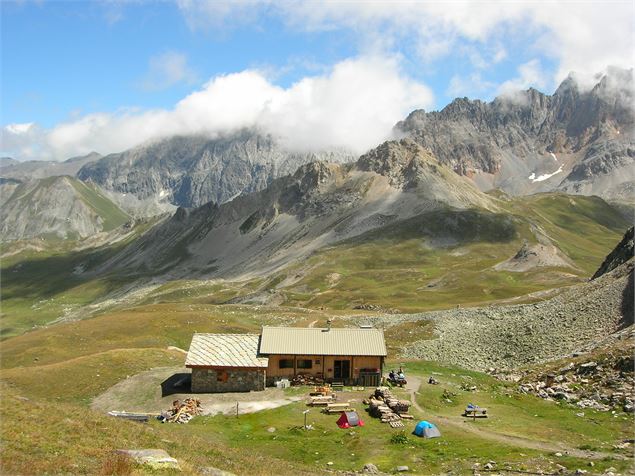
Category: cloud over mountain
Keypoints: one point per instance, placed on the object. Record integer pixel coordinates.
(354, 106)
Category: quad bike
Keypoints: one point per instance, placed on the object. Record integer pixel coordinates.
(397, 379)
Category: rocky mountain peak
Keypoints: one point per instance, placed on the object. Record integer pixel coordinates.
(393, 159)
(569, 86)
(315, 174)
(519, 141)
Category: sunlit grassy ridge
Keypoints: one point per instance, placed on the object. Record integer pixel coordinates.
(78, 380)
(152, 326)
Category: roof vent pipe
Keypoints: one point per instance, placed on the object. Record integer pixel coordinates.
(328, 324)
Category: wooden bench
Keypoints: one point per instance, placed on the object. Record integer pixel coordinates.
(337, 386)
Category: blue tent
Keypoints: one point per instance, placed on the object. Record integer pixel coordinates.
(426, 429)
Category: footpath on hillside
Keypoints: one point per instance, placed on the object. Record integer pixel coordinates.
(413, 386)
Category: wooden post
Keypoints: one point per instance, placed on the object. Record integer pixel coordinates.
(324, 368)
(236, 409)
(352, 377)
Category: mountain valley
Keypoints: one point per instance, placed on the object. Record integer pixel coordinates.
(491, 242)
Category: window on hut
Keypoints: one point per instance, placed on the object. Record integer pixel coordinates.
(222, 376)
(285, 363)
(305, 364)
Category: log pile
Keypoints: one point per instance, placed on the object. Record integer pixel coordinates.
(383, 405)
(379, 409)
(182, 412)
(306, 379)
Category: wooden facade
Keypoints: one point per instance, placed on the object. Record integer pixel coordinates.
(355, 369)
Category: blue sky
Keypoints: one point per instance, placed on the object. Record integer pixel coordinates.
(78, 76)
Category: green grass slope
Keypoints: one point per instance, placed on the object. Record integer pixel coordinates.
(40, 437)
(443, 259)
(110, 213)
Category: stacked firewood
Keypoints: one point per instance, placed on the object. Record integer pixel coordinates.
(382, 393)
(384, 405)
(396, 405)
(182, 412)
(306, 379)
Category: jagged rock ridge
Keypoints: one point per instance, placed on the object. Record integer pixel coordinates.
(38, 169)
(192, 171)
(576, 141)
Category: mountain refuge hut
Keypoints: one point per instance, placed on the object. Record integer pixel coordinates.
(250, 362)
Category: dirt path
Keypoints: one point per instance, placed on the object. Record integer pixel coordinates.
(149, 391)
(413, 385)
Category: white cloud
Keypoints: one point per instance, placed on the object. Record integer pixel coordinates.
(582, 36)
(353, 106)
(530, 74)
(22, 141)
(166, 70)
(19, 128)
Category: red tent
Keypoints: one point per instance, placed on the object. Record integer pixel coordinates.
(349, 419)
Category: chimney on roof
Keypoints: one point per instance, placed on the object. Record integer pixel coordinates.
(328, 324)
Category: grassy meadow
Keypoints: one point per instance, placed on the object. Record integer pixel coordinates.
(69, 336)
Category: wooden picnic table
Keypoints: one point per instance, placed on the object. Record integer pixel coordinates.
(475, 412)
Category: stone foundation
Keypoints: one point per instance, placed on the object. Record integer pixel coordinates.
(220, 381)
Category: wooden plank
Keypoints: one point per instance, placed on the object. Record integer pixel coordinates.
(338, 410)
(338, 405)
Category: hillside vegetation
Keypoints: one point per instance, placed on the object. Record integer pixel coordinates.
(435, 260)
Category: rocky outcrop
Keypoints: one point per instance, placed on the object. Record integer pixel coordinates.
(601, 381)
(537, 255)
(192, 171)
(574, 140)
(620, 254)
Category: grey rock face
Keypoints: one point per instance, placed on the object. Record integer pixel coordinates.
(620, 254)
(509, 142)
(320, 203)
(192, 171)
(55, 207)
